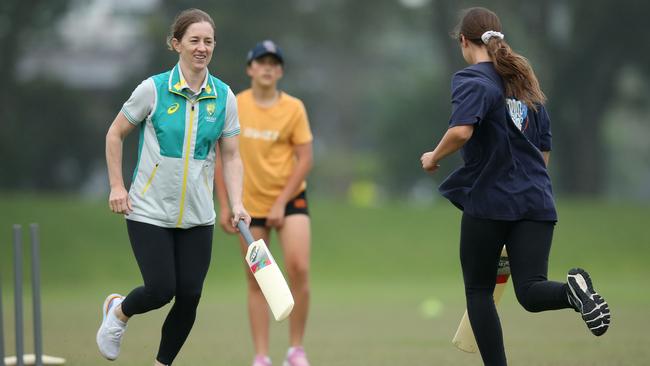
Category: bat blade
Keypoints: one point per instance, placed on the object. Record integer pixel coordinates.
(270, 279)
(464, 338)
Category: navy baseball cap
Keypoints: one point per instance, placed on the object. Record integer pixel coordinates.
(264, 48)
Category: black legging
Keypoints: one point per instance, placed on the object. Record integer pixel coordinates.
(173, 263)
(528, 244)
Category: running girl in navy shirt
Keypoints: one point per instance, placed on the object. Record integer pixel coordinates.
(499, 123)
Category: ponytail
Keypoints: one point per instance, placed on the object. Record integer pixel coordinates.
(517, 74)
(483, 27)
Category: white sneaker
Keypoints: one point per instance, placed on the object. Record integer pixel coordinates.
(261, 360)
(109, 335)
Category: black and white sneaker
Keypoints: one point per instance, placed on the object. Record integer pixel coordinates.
(586, 301)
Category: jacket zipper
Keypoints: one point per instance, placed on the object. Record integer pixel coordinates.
(188, 144)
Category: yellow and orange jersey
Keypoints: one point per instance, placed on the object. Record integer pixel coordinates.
(266, 143)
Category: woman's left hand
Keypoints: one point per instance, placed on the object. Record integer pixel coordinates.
(276, 215)
(428, 162)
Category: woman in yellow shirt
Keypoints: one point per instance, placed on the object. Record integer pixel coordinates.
(276, 150)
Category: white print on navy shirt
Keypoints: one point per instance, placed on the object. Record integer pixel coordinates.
(518, 112)
(268, 135)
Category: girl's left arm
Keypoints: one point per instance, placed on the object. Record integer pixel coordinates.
(304, 155)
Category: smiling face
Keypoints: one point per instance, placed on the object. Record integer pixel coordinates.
(265, 71)
(196, 46)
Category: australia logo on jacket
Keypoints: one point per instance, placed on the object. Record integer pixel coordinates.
(210, 109)
(518, 113)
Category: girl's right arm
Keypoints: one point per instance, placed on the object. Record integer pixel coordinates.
(452, 141)
(118, 200)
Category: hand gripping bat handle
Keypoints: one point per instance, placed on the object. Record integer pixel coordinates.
(243, 229)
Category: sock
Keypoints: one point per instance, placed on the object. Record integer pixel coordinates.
(293, 349)
(114, 317)
(264, 357)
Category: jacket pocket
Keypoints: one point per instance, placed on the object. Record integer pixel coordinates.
(148, 184)
(206, 179)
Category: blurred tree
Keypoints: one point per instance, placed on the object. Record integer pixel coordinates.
(23, 109)
(374, 75)
(585, 68)
(20, 21)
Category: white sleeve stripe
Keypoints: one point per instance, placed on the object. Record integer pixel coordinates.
(129, 117)
(231, 133)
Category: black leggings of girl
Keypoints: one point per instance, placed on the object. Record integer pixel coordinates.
(173, 263)
(528, 244)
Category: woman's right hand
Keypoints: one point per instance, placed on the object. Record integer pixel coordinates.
(239, 213)
(119, 202)
(225, 220)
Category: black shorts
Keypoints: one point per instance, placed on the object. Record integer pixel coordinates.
(298, 205)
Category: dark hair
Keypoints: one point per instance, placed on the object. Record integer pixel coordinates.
(515, 70)
(183, 20)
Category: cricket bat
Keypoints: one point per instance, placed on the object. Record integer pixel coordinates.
(464, 338)
(268, 275)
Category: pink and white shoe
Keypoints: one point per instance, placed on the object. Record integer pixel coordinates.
(261, 360)
(296, 356)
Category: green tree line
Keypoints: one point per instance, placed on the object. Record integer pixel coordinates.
(374, 75)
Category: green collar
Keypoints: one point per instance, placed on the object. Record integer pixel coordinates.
(177, 85)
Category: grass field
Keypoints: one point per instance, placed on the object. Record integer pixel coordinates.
(373, 268)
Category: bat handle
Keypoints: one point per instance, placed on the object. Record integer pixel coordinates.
(243, 229)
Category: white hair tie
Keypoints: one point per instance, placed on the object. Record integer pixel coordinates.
(489, 34)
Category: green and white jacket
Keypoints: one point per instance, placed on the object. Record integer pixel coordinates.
(172, 183)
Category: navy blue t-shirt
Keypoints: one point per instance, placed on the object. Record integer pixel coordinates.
(504, 176)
